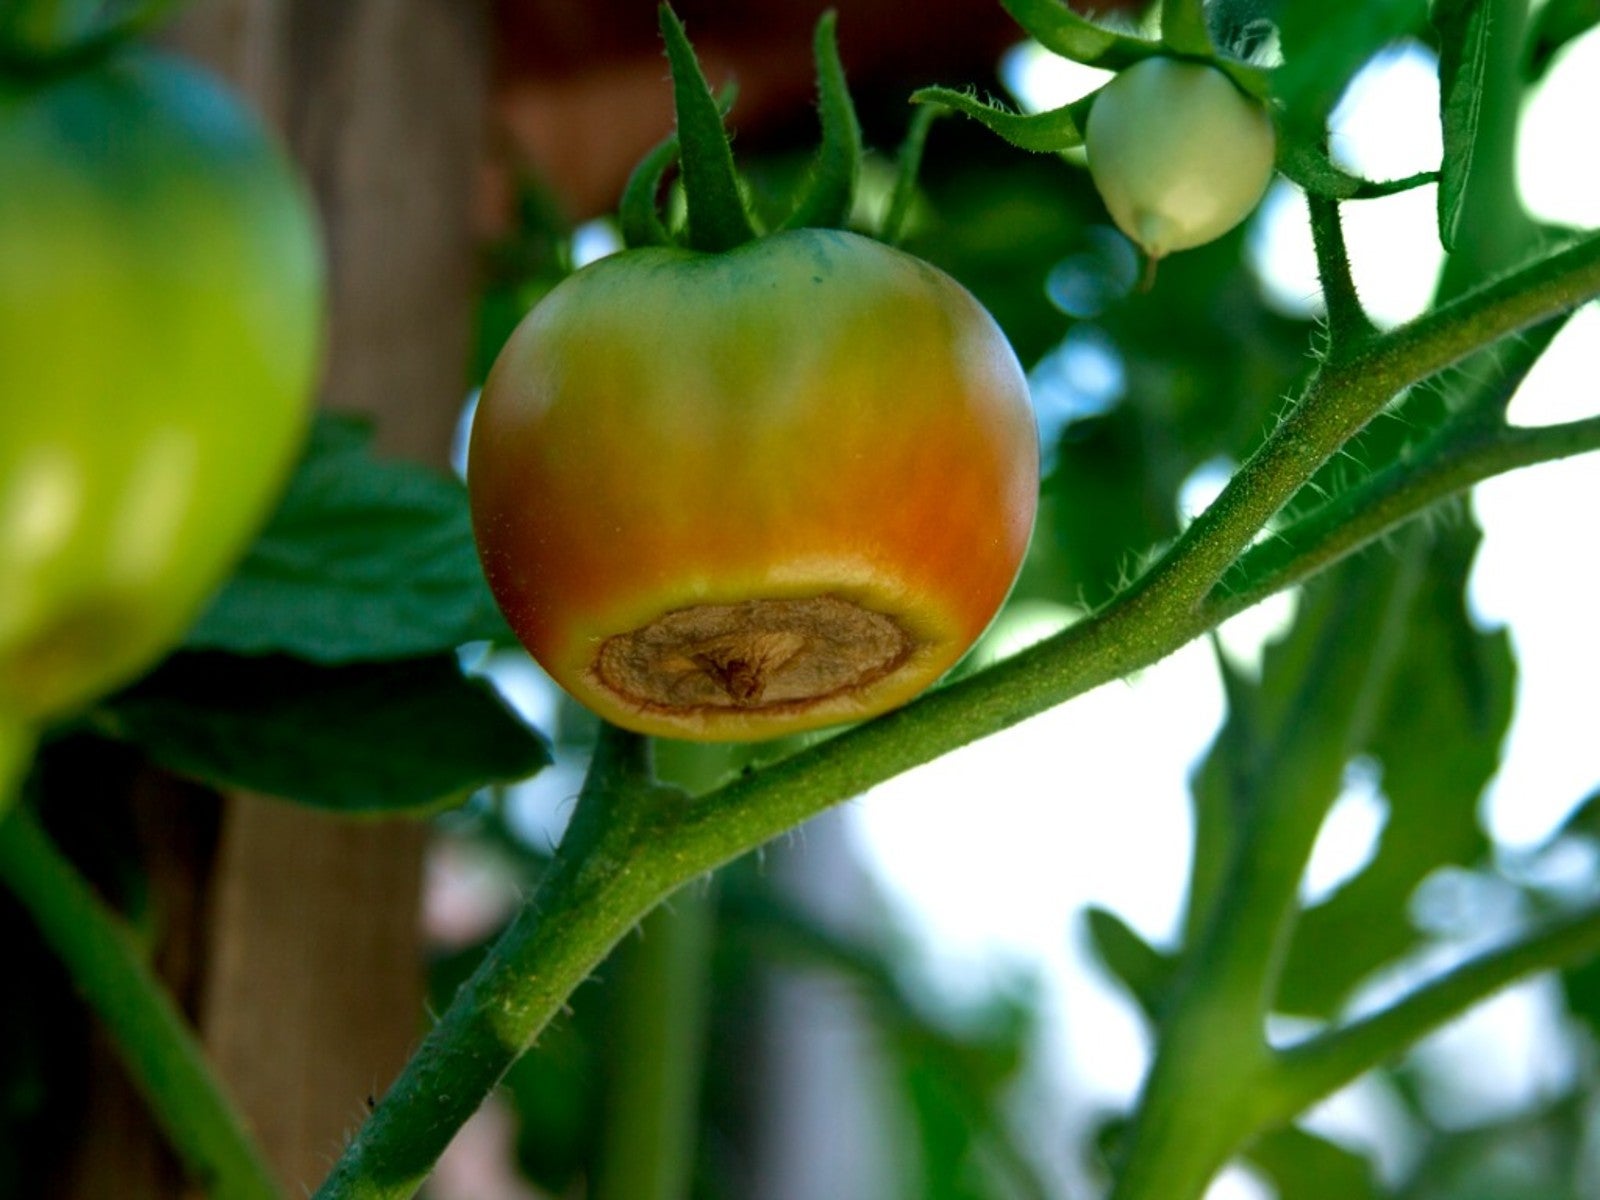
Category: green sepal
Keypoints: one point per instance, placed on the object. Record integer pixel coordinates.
(718, 217)
(1046, 132)
(1308, 166)
(831, 191)
(637, 213)
(908, 166)
(1062, 31)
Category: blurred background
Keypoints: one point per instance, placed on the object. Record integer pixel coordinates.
(929, 993)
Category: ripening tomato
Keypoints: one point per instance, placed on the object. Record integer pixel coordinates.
(1178, 153)
(731, 496)
(160, 326)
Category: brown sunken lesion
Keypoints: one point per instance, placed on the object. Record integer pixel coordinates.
(757, 655)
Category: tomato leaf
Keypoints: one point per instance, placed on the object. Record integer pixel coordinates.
(1045, 132)
(1146, 972)
(1463, 27)
(365, 560)
(1062, 31)
(1324, 45)
(375, 738)
(1451, 692)
(1307, 1167)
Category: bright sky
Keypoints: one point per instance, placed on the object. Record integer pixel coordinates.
(992, 852)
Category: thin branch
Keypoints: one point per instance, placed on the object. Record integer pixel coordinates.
(654, 843)
(596, 890)
(1400, 492)
(1348, 323)
(155, 1042)
(1327, 1062)
(1343, 397)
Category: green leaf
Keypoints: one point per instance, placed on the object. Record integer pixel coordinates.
(1306, 1167)
(1556, 24)
(1047, 132)
(376, 738)
(1451, 699)
(1324, 45)
(1062, 31)
(1463, 27)
(365, 559)
(1146, 972)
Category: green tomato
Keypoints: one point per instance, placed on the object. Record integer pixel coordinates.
(733, 496)
(160, 329)
(1178, 153)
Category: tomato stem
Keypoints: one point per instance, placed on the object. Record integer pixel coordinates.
(1348, 323)
(718, 217)
(1212, 1038)
(630, 845)
(165, 1060)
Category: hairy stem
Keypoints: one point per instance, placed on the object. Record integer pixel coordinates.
(616, 864)
(1325, 1063)
(657, 1030)
(1348, 323)
(151, 1035)
(1213, 1038)
(1351, 520)
(596, 889)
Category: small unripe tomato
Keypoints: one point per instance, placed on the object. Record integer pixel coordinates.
(1178, 153)
(732, 496)
(160, 331)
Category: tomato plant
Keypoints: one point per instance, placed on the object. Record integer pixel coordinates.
(160, 321)
(728, 496)
(733, 484)
(1179, 154)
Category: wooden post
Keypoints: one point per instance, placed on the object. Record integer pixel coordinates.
(312, 989)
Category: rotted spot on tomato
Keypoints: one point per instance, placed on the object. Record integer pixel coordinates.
(756, 655)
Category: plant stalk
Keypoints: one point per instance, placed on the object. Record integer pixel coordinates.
(155, 1042)
(604, 882)
(1212, 1041)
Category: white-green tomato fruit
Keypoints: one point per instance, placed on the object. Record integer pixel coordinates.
(1179, 154)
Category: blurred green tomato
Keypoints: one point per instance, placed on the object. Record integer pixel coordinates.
(160, 328)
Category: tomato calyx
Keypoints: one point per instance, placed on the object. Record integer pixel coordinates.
(717, 218)
(767, 654)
